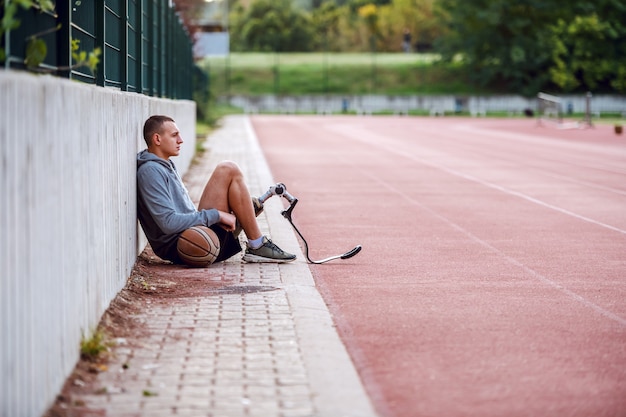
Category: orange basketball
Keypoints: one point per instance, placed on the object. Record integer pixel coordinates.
(198, 246)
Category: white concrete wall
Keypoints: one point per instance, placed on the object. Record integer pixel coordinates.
(68, 229)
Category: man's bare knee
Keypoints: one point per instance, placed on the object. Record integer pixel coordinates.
(228, 169)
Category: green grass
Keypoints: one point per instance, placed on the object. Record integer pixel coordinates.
(268, 60)
(610, 119)
(202, 129)
(346, 73)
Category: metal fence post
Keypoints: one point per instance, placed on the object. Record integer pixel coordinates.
(123, 75)
(139, 46)
(100, 4)
(63, 38)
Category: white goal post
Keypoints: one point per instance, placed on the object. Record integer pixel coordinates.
(549, 109)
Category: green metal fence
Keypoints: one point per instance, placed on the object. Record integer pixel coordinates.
(145, 47)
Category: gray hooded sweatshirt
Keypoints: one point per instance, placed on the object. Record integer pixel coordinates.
(164, 207)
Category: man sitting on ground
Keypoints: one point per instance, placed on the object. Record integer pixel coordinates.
(165, 209)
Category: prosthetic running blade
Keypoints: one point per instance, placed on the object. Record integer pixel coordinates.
(281, 190)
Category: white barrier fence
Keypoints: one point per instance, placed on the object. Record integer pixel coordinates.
(433, 105)
(68, 223)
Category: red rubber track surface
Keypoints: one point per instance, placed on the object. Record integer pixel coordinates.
(492, 280)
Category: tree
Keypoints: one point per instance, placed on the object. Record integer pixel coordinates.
(501, 40)
(415, 15)
(270, 25)
(589, 51)
(325, 25)
(528, 45)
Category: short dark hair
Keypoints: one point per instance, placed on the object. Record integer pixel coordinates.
(153, 125)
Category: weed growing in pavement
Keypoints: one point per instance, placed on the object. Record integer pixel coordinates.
(92, 347)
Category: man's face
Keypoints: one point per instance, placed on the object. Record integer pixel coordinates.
(169, 140)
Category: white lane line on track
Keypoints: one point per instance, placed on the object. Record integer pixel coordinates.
(507, 258)
(485, 183)
(525, 197)
(605, 313)
(579, 182)
(544, 142)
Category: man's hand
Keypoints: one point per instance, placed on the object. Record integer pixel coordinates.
(227, 221)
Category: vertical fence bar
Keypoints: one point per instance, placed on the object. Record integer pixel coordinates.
(146, 42)
(124, 46)
(163, 29)
(100, 43)
(64, 54)
(160, 49)
(139, 46)
(169, 65)
(143, 47)
(151, 40)
(156, 42)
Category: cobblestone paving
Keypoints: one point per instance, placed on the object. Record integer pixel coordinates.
(234, 351)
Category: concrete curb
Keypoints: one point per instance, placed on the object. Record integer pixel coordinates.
(336, 386)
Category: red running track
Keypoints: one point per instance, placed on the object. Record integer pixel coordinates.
(492, 280)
